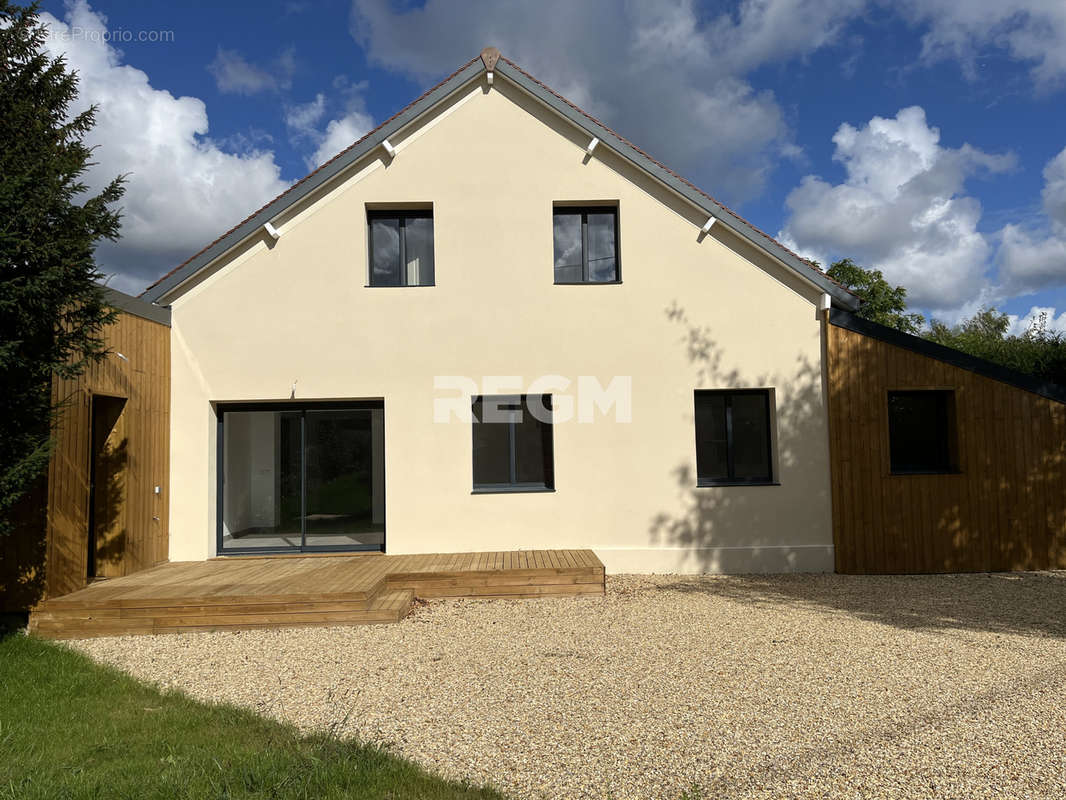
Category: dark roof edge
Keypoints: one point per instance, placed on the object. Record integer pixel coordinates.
(473, 69)
(723, 215)
(957, 358)
(316, 179)
(137, 306)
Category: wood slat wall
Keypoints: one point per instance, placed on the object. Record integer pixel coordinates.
(1005, 510)
(143, 377)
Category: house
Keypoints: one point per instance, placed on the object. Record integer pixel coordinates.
(493, 324)
(479, 246)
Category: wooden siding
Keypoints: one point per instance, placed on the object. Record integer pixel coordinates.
(139, 516)
(236, 593)
(1004, 510)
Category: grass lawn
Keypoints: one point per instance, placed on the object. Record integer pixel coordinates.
(72, 729)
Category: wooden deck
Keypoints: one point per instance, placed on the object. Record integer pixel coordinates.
(275, 592)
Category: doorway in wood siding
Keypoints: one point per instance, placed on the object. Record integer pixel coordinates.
(108, 467)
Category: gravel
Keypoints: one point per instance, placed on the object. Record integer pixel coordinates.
(722, 687)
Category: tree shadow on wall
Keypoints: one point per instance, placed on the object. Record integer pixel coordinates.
(109, 503)
(723, 517)
(1029, 604)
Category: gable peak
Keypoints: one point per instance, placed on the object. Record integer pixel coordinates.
(489, 57)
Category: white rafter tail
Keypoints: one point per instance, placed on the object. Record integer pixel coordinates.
(592, 145)
(825, 302)
(488, 77)
(388, 148)
(272, 232)
(708, 225)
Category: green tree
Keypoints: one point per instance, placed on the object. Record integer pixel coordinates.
(52, 309)
(1038, 352)
(881, 302)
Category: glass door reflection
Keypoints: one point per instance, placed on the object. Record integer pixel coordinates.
(301, 478)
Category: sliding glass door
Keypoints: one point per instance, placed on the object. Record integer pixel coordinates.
(301, 477)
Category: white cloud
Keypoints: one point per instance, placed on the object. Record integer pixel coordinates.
(234, 74)
(1033, 31)
(767, 32)
(1054, 194)
(340, 133)
(183, 189)
(659, 73)
(902, 209)
(1032, 258)
(1030, 261)
(1045, 314)
(304, 121)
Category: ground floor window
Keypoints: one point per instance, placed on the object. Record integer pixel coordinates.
(513, 443)
(921, 431)
(733, 442)
(301, 477)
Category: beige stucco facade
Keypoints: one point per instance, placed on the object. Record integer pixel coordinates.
(692, 312)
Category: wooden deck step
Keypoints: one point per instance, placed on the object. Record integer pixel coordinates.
(516, 583)
(257, 593)
(388, 606)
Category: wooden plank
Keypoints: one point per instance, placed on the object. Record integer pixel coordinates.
(254, 593)
(142, 378)
(1003, 510)
(516, 592)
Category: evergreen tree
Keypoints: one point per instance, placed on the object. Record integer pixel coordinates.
(52, 309)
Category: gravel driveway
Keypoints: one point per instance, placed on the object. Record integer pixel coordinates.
(754, 687)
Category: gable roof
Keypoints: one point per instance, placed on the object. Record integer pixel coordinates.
(491, 61)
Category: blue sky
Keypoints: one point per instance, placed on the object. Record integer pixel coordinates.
(926, 138)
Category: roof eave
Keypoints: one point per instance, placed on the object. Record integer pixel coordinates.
(162, 290)
(840, 296)
(948, 355)
(136, 306)
(321, 177)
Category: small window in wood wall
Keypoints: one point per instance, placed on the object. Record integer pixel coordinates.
(922, 432)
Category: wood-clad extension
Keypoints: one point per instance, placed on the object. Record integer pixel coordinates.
(132, 458)
(1005, 508)
(267, 592)
(137, 370)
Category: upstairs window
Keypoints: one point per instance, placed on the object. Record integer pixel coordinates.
(513, 444)
(401, 248)
(586, 244)
(921, 432)
(733, 437)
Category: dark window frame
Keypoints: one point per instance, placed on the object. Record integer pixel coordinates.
(513, 486)
(731, 479)
(221, 409)
(585, 210)
(402, 215)
(947, 425)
